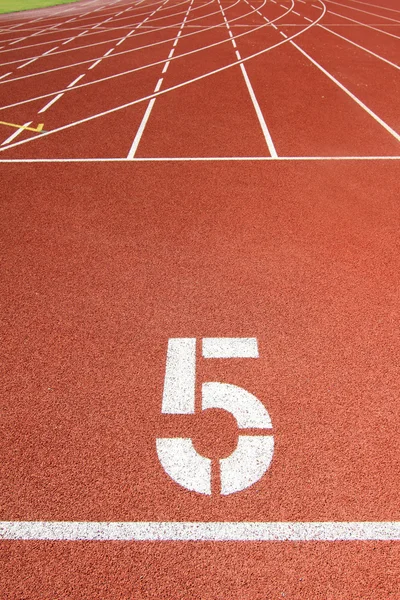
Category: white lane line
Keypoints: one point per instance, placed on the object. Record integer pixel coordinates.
(16, 134)
(160, 28)
(296, 13)
(283, 34)
(200, 159)
(375, 6)
(28, 63)
(161, 92)
(136, 27)
(166, 66)
(350, 94)
(95, 64)
(50, 103)
(364, 11)
(131, 50)
(50, 51)
(159, 82)
(76, 80)
(5, 75)
(260, 116)
(75, 37)
(361, 47)
(365, 24)
(44, 31)
(244, 531)
(139, 133)
(37, 57)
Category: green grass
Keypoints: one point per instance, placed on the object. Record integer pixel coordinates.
(7, 6)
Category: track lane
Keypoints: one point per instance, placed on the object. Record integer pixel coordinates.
(117, 571)
(313, 276)
(364, 75)
(106, 261)
(206, 127)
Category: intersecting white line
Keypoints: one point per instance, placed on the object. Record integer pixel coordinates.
(142, 126)
(369, 26)
(376, 6)
(349, 93)
(364, 11)
(359, 46)
(260, 116)
(180, 56)
(71, 65)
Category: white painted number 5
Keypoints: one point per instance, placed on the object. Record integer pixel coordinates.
(253, 454)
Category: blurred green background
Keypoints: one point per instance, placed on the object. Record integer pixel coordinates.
(7, 6)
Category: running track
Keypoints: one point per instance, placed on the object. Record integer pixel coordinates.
(214, 197)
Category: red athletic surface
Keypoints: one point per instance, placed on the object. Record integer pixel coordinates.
(103, 262)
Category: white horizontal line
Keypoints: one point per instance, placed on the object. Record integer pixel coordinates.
(197, 158)
(200, 531)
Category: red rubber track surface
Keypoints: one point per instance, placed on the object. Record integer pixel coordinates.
(253, 192)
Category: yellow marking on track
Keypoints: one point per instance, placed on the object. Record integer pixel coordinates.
(38, 129)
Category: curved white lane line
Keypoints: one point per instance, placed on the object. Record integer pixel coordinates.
(160, 62)
(349, 93)
(156, 30)
(149, 7)
(359, 46)
(98, 32)
(167, 90)
(71, 65)
(79, 17)
(364, 11)
(137, 25)
(128, 26)
(22, 22)
(331, 12)
(46, 29)
(376, 6)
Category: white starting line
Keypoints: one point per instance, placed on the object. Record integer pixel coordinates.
(199, 159)
(158, 531)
